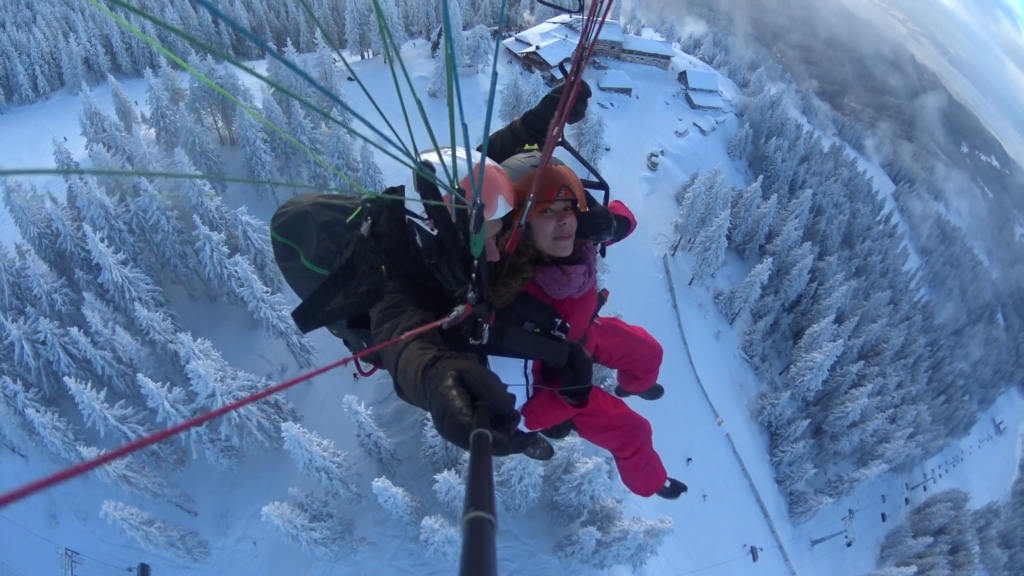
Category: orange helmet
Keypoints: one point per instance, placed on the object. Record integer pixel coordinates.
(499, 197)
(557, 182)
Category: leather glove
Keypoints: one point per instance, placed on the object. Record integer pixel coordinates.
(537, 119)
(577, 376)
(457, 388)
(597, 224)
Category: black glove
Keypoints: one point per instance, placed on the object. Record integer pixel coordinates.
(537, 119)
(597, 224)
(577, 376)
(457, 388)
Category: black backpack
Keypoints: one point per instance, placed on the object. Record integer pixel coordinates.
(336, 252)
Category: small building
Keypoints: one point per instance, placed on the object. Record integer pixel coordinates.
(616, 81)
(646, 51)
(705, 125)
(548, 44)
(704, 100)
(702, 80)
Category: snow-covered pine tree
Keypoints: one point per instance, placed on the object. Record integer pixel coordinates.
(742, 223)
(72, 66)
(166, 114)
(987, 523)
(104, 329)
(202, 152)
(579, 546)
(437, 451)
(276, 129)
(438, 87)
(392, 23)
(303, 160)
(90, 205)
(709, 247)
(39, 287)
(259, 159)
(155, 534)
(395, 500)
(743, 297)
(214, 111)
(588, 135)
(518, 94)
(269, 310)
(813, 356)
(793, 273)
(480, 48)
(99, 129)
(139, 475)
(360, 28)
(317, 457)
(371, 437)
(38, 422)
(123, 108)
(370, 176)
(450, 490)
(26, 358)
(632, 542)
(340, 156)
(518, 483)
(440, 538)
(588, 480)
(312, 523)
(212, 257)
(120, 419)
(125, 284)
(156, 326)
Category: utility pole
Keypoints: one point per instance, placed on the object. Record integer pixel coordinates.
(70, 560)
(847, 531)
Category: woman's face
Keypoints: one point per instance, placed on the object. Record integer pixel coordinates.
(553, 231)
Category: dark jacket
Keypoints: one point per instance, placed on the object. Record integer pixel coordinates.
(424, 293)
(420, 297)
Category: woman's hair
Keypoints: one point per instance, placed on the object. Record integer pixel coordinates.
(514, 271)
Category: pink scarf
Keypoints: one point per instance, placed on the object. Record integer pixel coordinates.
(570, 280)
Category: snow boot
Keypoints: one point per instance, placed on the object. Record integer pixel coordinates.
(559, 431)
(672, 489)
(653, 393)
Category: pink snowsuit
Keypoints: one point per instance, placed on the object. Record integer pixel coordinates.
(605, 420)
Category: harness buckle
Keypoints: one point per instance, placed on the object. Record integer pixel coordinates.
(561, 329)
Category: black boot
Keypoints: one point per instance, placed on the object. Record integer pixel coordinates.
(559, 431)
(672, 489)
(653, 393)
(539, 449)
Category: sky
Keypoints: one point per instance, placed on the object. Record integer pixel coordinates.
(714, 524)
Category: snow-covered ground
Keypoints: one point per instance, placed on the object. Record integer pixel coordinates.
(706, 437)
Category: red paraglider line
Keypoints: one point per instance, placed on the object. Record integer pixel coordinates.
(77, 470)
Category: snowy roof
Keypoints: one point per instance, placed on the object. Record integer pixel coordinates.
(705, 99)
(555, 51)
(614, 79)
(554, 40)
(648, 45)
(701, 80)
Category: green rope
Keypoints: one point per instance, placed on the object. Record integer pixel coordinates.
(199, 176)
(265, 79)
(220, 90)
(352, 73)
